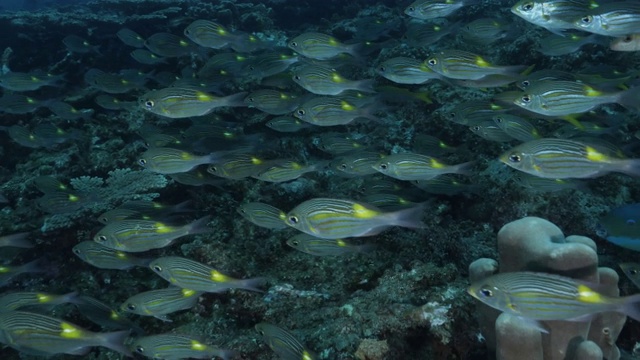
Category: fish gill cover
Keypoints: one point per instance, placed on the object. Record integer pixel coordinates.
(312, 177)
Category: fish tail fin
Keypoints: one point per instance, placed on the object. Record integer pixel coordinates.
(225, 354)
(409, 218)
(252, 284)
(116, 341)
(365, 248)
(200, 226)
(364, 85)
(236, 100)
(630, 99)
(630, 167)
(631, 307)
(463, 169)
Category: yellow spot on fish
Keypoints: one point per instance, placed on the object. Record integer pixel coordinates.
(219, 277)
(437, 164)
(185, 156)
(121, 255)
(595, 155)
(256, 161)
(73, 198)
(43, 298)
(482, 62)
(537, 168)
(203, 96)
(284, 96)
(575, 37)
(335, 77)
(114, 315)
(341, 243)
(586, 295)
(346, 106)
(161, 228)
(69, 331)
(30, 100)
(183, 43)
(362, 212)
(589, 91)
(333, 42)
(437, 28)
(196, 345)
(306, 356)
(4, 269)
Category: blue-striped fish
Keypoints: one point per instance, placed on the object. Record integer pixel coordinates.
(339, 218)
(43, 335)
(284, 343)
(182, 102)
(21, 300)
(410, 166)
(103, 315)
(190, 274)
(159, 303)
(541, 296)
(287, 170)
(176, 347)
(103, 257)
(169, 45)
(326, 247)
(404, 70)
(432, 9)
(320, 46)
(263, 215)
(324, 80)
(553, 15)
(562, 159)
(611, 19)
(165, 160)
(209, 34)
(463, 65)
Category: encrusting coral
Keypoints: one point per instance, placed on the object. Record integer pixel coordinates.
(535, 244)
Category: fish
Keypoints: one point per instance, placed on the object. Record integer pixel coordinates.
(20, 300)
(103, 257)
(564, 159)
(432, 9)
(542, 296)
(190, 274)
(320, 46)
(8, 272)
(43, 335)
(629, 42)
(19, 240)
(329, 218)
(20, 104)
(332, 111)
(263, 215)
(197, 177)
(103, 315)
(182, 102)
(472, 112)
(287, 170)
(632, 271)
(404, 70)
(270, 64)
(68, 112)
(543, 185)
(19, 81)
(209, 34)
(143, 235)
(130, 38)
(339, 143)
(284, 343)
(176, 347)
(112, 103)
(611, 19)
(239, 166)
(489, 130)
(113, 83)
(168, 45)
(422, 34)
(446, 185)
(273, 102)
(553, 15)
(621, 226)
(165, 160)
(516, 127)
(556, 45)
(147, 57)
(464, 65)
(411, 166)
(159, 303)
(323, 80)
(76, 44)
(60, 202)
(287, 124)
(326, 247)
(356, 164)
(485, 31)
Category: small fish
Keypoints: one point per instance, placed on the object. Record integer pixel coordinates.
(44, 335)
(339, 143)
(20, 104)
(169, 45)
(224, 65)
(432, 9)
(562, 159)
(68, 112)
(516, 127)
(239, 166)
(287, 124)
(431, 145)
(322, 80)
(176, 347)
(270, 64)
(60, 202)
(103, 257)
(76, 44)
(181, 102)
(632, 270)
(287, 170)
(273, 102)
(339, 218)
(326, 247)
(147, 57)
(556, 45)
(111, 103)
(553, 15)
(356, 164)
(143, 235)
(112, 83)
(17, 81)
(485, 31)
(446, 185)
(8, 272)
(403, 70)
(621, 226)
(458, 64)
(541, 296)
(422, 34)
(209, 34)
(21, 300)
(472, 112)
(19, 240)
(197, 177)
(284, 343)
(263, 215)
(189, 274)
(332, 111)
(611, 19)
(489, 130)
(130, 38)
(411, 166)
(102, 314)
(321, 46)
(544, 185)
(158, 303)
(164, 160)
(629, 42)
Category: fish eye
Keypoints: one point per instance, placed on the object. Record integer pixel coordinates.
(140, 349)
(77, 252)
(149, 104)
(342, 167)
(587, 19)
(131, 306)
(383, 166)
(382, 69)
(142, 162)
(630, 222)
(475, 128)
(411, 8)
(432, 61)
(295, 243)
(293, 44)
(515, 158)
(300, 112)
(527, 7)
(251, 99)
(157, 268)
(526, 99)
(526, 83)
(486, 292)
(452, 115)
(296, 77)
(499, 119)
(102, 238)
(293, 219)
(213, 169)
(633, 271)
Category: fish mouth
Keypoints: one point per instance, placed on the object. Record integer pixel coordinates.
(601, 231)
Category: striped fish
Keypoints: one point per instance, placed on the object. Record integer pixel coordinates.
(143, 235)
(43, 335)
(489, 130)
(458, 64)
(287, 170)
(563, 159)
(165, 160)
(19, 300)
(272, 102)
(168, 45)
(553, 15)
(541, 296)
(103, 257)
(410, 166)
(338, 218)
(208, 34)
(404, 70)
(516, 127)
(433, 9)
(130, 37)
(158, 303)
(356, 164)
(19, 240)
(263, 215)
(331, 111)
(176, 347)
(287, 124)
(196, 276)
(102, 314)
(269, 64)
(284, 343)
(320, 46)
(326, 247)
(182, 102)
(8, 272)
(324, 80)
(611, 19)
